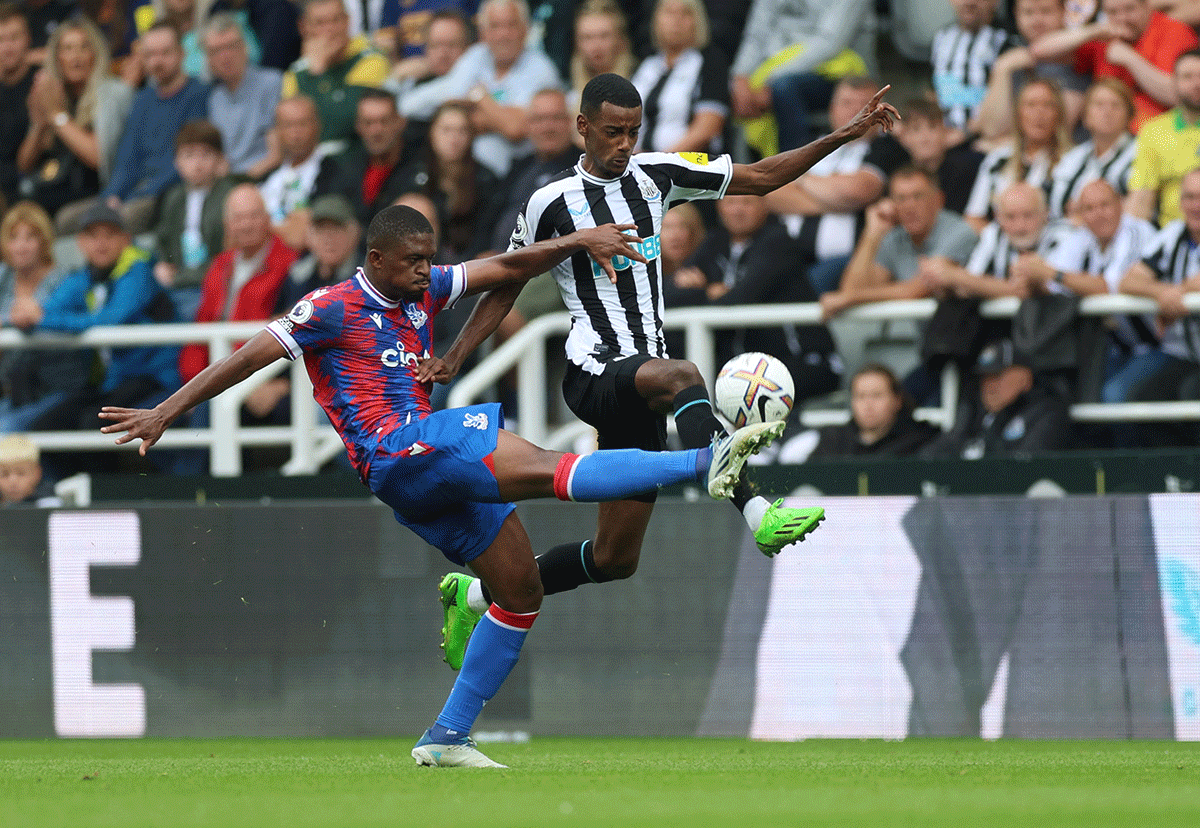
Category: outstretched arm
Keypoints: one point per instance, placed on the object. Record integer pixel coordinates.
(149, 424)
(769, 174)
(504, 275)
(602, 243)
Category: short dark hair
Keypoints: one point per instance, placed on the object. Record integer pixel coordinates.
(608, 88)
(200, 132)
(395, 223)
(454, 16)
(913, 171)
(372, 94)
(166, 26)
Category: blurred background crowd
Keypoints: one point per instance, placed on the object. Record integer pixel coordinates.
(209, 160)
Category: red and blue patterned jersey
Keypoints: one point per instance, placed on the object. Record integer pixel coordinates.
(361, 351)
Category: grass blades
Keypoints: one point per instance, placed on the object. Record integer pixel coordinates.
(600, 782)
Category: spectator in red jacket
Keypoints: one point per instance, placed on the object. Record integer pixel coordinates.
(243, 283)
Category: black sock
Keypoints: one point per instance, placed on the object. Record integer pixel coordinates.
(696, 423)
(742, 493)
(565, 567)
(694, 417)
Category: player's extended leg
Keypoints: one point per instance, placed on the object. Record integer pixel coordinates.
(522, 471)
(508, 567)
(675, 385)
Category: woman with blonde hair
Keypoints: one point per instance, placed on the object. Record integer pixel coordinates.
(1038, 144)
(601, 43)
(684, 84)
(77, 110)
(1108, 113)
(31, 382)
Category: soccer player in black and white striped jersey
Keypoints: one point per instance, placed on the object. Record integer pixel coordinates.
(619, 376)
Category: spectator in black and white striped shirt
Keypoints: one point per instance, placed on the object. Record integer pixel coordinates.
(1020, 238)
(1107, 114)
(1169, 268)
(962, 56)
(684, 85)
(1040, 141)
(1092, 260)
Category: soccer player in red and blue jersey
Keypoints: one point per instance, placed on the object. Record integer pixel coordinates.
(450, 476)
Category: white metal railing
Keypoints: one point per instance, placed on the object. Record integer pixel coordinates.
(527, 351)
(313, 441)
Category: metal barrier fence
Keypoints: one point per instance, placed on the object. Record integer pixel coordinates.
(313, 442)
(527, 351)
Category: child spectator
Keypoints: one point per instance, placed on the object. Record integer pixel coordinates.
(190, 232)
(21, 481)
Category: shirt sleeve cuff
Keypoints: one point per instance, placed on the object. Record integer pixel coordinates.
(276, 329)
(458, 284)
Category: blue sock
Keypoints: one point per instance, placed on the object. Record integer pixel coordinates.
(491, 654)
(618, 473)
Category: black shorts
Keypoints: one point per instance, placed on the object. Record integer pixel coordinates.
(610, 403)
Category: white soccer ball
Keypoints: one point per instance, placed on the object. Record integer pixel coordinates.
(754, 388)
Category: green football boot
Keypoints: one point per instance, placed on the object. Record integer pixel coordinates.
(783, 525)
(459, 620)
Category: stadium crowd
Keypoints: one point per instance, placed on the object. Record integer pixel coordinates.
(215, 160)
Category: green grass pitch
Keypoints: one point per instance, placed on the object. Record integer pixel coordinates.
(600, 782)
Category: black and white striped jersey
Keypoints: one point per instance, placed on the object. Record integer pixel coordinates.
(994, 254)
(610, 321)
(1080, 166)
(962, 64)
(1174, 258)
(994, 177)
(672, 95)
(1080, 252)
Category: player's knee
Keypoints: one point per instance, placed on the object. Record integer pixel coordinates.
(616, 563)
(670, 376)
(681, 374)
(522, 594)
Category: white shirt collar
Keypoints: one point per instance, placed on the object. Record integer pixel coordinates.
(370, 290)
